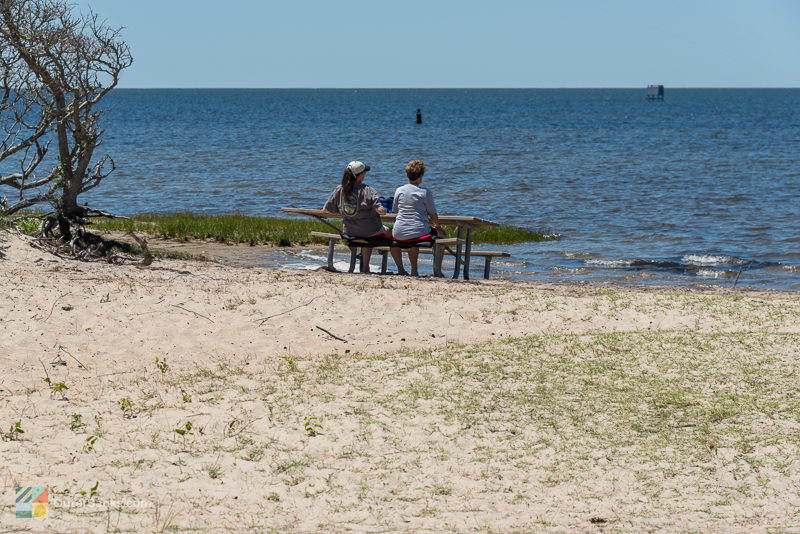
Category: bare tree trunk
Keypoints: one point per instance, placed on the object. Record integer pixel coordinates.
(68, 63)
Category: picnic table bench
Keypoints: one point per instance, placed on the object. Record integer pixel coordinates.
(383, 245)
(462, 242)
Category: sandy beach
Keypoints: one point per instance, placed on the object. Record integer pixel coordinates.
(198, 397)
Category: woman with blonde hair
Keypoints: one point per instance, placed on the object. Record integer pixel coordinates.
(416, 213)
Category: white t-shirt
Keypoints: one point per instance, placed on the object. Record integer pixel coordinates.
(412, 204)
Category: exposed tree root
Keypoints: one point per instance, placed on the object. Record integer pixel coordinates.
(86, 246)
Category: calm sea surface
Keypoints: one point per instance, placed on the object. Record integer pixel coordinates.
(691, 190)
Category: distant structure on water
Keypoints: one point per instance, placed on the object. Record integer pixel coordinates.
(655, 92)
(419, 116)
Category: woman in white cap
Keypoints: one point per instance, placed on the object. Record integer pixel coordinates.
(360, 207)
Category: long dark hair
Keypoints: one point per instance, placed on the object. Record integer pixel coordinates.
(348, 183)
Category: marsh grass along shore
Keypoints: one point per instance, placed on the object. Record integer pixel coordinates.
(282, 232)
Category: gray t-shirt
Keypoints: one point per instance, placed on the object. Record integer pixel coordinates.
(359, 218)
(412, 204)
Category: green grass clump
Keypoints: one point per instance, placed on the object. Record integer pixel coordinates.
(508, 235)
(269, 230)
(222, 228)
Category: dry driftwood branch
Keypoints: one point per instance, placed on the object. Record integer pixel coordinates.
(148, 258)
(190, 311)
(54, 304)
(265, 319)
(65, 351)
(333, 336)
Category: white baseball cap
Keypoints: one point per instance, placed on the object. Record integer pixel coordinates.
(357, 167)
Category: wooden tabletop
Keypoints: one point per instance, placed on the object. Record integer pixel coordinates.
(444, 220)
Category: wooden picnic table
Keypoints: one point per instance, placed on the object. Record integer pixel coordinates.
(464, 224)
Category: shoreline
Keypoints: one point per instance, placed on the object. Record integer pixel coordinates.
(249, 256)
(321, 402)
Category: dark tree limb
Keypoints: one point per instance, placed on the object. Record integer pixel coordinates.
(148, 258)
(55, 68)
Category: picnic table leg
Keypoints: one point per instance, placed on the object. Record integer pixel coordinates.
(467, 251)
(457, 270)
(487, 267)
(438, 256)
(353, 254)
(331, 243)
(384, 261)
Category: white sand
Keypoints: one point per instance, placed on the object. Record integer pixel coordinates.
(246, 347)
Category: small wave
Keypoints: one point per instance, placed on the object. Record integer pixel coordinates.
(308, 260)
(657, 263)
(309, 254)
(570, 270)
(610, 263)
(572, 255)
(342, 266)
(710, 273)
(783, 267)
(710, 260)
(300, 266)
(660, 264)
(510, 264)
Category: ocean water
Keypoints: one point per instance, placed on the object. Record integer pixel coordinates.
(701, 188)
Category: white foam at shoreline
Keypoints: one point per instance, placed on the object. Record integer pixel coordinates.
(609, 263)
(709, 260)
(710, 273)
(315, 261)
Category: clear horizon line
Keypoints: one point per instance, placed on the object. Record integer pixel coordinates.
(461, 88)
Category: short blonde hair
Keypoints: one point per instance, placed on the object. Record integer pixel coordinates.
(415, 169)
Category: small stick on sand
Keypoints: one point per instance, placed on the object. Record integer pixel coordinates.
(265, 319)
(45, 371)
(190, 311)
(333, 336)
(60, 348)
(54, 305)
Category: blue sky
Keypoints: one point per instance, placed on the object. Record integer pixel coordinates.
(465, 43)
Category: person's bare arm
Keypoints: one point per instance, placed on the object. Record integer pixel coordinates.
(375, 200)
(433, 218)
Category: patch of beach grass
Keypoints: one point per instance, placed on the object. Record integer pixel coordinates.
(236, 228)
(223, 228)
(509, 235)
(698, 425)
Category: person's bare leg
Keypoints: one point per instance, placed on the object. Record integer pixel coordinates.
(366, 254)
(413, 256)
(397, 256)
